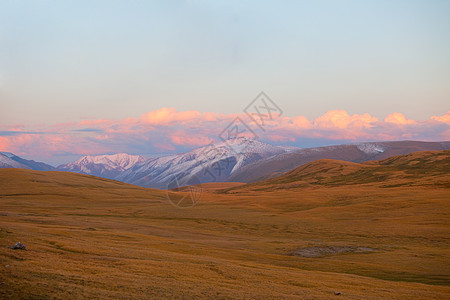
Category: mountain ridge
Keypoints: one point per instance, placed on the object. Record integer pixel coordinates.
(108, 166)
(413, 169)
(210, 163)
(239, 160)
(10, 160)
(358, 152)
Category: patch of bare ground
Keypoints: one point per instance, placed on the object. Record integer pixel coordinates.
(330, 250)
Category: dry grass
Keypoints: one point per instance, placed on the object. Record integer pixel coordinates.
(97, 238)
(425, 168)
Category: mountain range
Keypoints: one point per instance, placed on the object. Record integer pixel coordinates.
(358, 153)
(238, 160)
(107, 166)
(211, 163)
(423, 168)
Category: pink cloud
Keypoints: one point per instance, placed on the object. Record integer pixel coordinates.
(181, 138)
(165, 116)
(280, 138)
(167, 129)
(398, 118)
(5, 144)
(444, 119)
(165, 146)
(341, 119)
(98, 122)
(301, 122)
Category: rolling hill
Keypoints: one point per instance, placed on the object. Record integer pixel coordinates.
(414, 169)
(277, 165)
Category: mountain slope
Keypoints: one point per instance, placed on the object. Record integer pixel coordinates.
(10, 160)
(108, 166)
(239, 160)
(18, 182)
(427, 168)
(361, 152)
(212, 163)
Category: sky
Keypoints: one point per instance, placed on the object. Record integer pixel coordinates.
(153, 77)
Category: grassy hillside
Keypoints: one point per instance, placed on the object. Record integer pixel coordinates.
(427, 168)
(280, 164)
(97, 238)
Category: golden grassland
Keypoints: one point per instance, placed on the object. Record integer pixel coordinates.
(89, 237)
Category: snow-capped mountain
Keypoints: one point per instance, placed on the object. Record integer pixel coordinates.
(10, 160)
(108, 166)
(211, 163)
(240, 160)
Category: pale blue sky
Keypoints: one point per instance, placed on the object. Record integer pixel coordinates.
(66, 60)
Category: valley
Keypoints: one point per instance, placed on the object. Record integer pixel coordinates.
(99, 238)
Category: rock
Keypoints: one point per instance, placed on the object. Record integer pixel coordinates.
(19, 246)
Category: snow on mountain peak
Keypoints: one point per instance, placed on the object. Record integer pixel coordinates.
(122, 160)
(243, 145)
(370, 148)
(228, 156)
